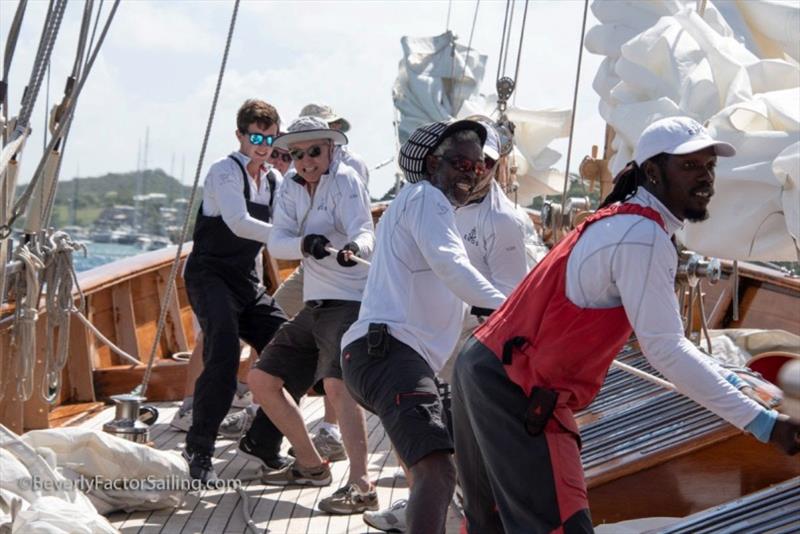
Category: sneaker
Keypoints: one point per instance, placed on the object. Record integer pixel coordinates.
(392, 519)
(182, 420)
(242, 399)
(248, 448)
(328, 446)
(200, 466)
(349, 500)
(294, 475)
(236, 424)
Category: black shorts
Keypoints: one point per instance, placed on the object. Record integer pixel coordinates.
(308, 345)
(400, 388)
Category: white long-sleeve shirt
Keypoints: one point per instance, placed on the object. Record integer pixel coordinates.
(629, 260)
(223, 194)
(339, 210)
(494, 233)
(351, 159)
(420, 275)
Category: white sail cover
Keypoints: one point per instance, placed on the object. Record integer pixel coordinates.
(435, 77)
(663, 59)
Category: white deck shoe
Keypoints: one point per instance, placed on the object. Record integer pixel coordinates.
(392, 519)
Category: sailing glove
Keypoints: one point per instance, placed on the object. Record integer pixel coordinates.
(786, 434)
(314, 245)
(352, 247)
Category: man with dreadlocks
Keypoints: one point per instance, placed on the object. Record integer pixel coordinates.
(546, 351)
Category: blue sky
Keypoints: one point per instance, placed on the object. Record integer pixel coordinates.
(159, 65)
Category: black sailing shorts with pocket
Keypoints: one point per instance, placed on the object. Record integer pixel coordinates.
(400, 388)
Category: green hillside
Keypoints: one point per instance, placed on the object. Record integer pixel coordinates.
(93, 194)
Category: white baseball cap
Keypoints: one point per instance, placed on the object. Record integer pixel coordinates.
(677, 135)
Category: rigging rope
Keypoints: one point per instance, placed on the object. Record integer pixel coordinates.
(52, 24)
(469, 44)
(69, 96)
(574, 109)
(503, 54)
(11, 45)
(21, 204)
(449, 9)
(519, 47)
(26, 312)
(142, 389)
(59, 277)
(94, 30)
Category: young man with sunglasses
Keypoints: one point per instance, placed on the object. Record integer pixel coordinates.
(323, 206)
(224, 289)
(546, 352)
(413, 308)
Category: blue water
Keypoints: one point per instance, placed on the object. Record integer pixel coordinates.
(102, 253)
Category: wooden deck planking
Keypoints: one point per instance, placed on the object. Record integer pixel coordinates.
(278, 510)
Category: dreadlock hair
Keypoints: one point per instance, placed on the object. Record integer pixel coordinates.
(627, 182)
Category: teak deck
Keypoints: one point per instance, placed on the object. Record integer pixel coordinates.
(286, 510)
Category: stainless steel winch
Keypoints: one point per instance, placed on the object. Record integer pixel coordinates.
(126, 423)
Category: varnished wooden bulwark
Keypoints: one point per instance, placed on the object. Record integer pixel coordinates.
(649, 452)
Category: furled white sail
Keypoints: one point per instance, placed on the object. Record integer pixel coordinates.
(435, 77)
(438, 80)
(663, 59)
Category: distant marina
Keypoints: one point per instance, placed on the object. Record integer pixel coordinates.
(101, 253)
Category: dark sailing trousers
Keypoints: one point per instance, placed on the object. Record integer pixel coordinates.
(224, 318)
(512, 481)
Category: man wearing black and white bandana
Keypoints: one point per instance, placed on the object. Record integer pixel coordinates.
(412, 310)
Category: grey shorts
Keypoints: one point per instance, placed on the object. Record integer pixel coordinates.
(308, 345)
(400, 388)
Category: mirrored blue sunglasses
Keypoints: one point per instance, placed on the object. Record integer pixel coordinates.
(260, 139)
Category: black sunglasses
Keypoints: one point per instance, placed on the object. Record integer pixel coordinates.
(283, 156)
(313, 151)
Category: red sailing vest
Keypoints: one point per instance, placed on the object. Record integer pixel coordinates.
(545, 340)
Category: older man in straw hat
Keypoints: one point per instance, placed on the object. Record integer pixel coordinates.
(323, 206)
(327, 439)
(546, 351)
(412, 310)
(337, 122)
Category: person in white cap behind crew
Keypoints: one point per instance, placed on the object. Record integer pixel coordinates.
(546, 351)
